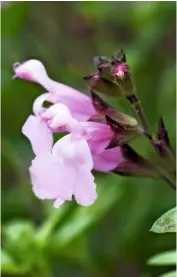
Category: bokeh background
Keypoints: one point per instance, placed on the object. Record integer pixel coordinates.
(110, 238)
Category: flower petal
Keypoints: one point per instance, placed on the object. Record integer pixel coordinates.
(38, 103)
(75, 150)
(107, 160)
(39, 135)
(32, 70)
(85, 188)
(98, 136)
(58, 115)
(51, 177)
(79, 104)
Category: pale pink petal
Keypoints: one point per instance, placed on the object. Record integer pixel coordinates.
(85, 188)
(76, 150)
(56, 110)
(52, 178)
(98, 136)
(38, 107)
(58, 115)
(38, 103)
(39, 135)
(107, 160)
(41, 193)
(31, 70)
(79, 104)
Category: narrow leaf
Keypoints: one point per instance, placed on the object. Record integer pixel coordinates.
(169, 274)
(166, 258)
(166, 223)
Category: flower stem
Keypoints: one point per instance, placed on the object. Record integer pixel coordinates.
(135, 102)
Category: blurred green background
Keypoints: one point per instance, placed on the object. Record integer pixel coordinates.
(110, 238)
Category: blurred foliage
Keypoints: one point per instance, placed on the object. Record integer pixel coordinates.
(167, 258)
(110, 238)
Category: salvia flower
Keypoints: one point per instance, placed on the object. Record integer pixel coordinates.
(79, 104)
(97, 134)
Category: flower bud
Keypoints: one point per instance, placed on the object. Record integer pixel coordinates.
(104, 68)
(122, 132)
(100, 60)
(163, 135)
(102, 107)
(163, 145)
(121, 57)
(122, 73)
(102, 85)
(105, 72)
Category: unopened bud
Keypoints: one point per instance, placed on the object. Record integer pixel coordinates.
(100, 60)
(163, 145)
(121, 57)
(105, 72)
(122, 74)
(123, 131)
(102, 85)
(104, 68)
(102, 107)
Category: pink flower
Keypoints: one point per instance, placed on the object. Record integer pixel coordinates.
(58, 118)
(108, 160)
(79, 104)
(64, 172)
(98, 136)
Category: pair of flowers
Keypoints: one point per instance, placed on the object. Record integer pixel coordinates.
(62, 170)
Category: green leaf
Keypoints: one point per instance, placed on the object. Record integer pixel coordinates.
(166, 223)
(166, 258)
(20, 235)
(16, 230)
(169, 274)
(8, 266)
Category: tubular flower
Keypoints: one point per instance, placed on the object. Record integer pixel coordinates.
(63, 170)
(79, 104)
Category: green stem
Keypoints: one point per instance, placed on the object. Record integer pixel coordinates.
(135, 102)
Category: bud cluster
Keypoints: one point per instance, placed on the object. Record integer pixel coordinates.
(113, 78)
